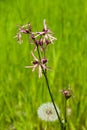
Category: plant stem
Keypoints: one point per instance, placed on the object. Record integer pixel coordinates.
(52, 99)
(65, 114)
(47, 82)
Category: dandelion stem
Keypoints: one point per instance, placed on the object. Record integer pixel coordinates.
(47, 82)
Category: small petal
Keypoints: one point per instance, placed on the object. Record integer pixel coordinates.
(45, 26)
(34, 67)
(40, 71)
(28, 66)
(34, 56)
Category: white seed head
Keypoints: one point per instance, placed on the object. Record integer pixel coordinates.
(47, 112)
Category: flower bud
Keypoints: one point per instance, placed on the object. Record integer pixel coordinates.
(41, 42)
(44, 60)
(35, 62)
(67, 93)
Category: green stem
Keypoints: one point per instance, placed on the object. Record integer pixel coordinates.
(52, 99)
(65, 114)
(47, 82)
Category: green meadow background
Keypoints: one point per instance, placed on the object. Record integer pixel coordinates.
(21, 91)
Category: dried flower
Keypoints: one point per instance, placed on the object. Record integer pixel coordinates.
(38, 63)
(47, 112)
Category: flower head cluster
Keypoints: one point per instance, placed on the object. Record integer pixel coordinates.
(41, 40)
(47, 112)
(45, 34)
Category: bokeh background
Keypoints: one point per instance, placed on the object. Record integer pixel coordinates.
(21, 91)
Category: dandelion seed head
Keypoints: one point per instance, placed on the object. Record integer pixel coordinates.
(47, 112)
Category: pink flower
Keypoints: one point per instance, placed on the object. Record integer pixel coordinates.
(26, 29)
(46, 35)
(41, 64)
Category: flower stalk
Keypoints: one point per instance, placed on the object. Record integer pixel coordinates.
(67, 94)
(65, 114)
(48, 87)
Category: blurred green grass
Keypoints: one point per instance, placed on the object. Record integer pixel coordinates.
(21, 92)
